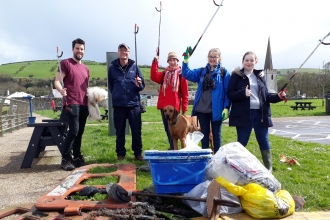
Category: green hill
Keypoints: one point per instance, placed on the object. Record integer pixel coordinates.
(45, 69)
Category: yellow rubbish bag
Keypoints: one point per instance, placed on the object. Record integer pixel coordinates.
(259, 202)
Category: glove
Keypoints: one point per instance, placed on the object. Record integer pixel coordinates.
(187, 54)
(282, 95)
(224, 114)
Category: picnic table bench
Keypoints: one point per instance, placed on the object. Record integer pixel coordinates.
(303, 106)
(48, 133)
(105, 115)
(57, 108)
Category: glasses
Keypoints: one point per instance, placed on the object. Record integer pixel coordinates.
(210, 57)
(124, 51)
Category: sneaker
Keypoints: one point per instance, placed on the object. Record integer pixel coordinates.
(66, 164)
(140, 158)
(120, 157)
(79, 161)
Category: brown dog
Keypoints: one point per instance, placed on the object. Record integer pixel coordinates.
(179, 125)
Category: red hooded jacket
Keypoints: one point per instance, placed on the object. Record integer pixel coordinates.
(170, 98)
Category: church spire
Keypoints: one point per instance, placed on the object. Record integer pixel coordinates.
(268, 60)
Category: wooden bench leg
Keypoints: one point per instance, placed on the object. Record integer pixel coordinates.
(58, 138)
(32, 148)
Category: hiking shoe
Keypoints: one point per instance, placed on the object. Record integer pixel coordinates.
(66, 164)
(120, 157)
(140, 158)
(79, 161)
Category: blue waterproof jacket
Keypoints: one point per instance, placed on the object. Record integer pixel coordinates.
(122, 86)
(240, 109)
(219, 94)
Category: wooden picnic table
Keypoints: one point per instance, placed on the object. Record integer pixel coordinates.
(303, 106)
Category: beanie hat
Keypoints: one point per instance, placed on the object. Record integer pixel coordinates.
(172, 55)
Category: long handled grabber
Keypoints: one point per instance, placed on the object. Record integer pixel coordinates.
(160, 21)
(59, 65)
(119, 194)
(136, 30)
(61, 76)
(295, 72)
(192, 51)
(323, 40)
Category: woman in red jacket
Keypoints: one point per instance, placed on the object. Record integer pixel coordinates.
(173, 88)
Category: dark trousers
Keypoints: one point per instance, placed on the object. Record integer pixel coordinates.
(243, 133)
(133, 114)
(76, 119)
(167, 130)
(205, 120)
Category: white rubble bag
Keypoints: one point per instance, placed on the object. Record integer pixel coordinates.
(237, 165)
(192, 140)
(200, 191)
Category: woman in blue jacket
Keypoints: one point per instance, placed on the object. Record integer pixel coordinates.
(250, 108)
(211, 102)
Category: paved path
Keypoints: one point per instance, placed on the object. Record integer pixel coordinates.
(19, 186)
(311, 129)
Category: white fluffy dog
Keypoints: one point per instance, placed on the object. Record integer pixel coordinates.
(96, 96)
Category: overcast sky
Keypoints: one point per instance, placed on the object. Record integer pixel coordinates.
(31, 30)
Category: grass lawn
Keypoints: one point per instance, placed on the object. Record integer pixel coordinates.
(310, 180)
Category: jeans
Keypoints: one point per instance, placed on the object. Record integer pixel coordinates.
(133, 114)
(205, 120)
(76, 120)
(167, 130)
(243, 133)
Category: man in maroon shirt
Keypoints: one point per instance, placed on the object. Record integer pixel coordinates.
(75, 77)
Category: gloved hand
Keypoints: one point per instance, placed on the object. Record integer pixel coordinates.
(225, 114)
(282, 95)
(187, 54)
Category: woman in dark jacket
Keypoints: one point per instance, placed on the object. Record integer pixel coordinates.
(250, 108)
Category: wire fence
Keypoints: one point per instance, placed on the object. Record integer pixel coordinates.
(14, 114)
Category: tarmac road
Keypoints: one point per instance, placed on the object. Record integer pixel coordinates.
(310, 129)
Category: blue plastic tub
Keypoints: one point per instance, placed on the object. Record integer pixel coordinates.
(177, 171)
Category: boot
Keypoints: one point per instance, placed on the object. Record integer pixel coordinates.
(267, 159)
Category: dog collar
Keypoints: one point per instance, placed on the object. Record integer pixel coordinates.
(176, 120)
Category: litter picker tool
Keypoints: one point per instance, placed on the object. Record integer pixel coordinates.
(295, 72)
(192, 51)
(136, 30)
(59, 65)
(323, 40)
(61, 76)
(160, 20)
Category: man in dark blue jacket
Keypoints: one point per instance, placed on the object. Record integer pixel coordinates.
(125, 81)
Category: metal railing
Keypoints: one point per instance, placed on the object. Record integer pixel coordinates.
(13, 115)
